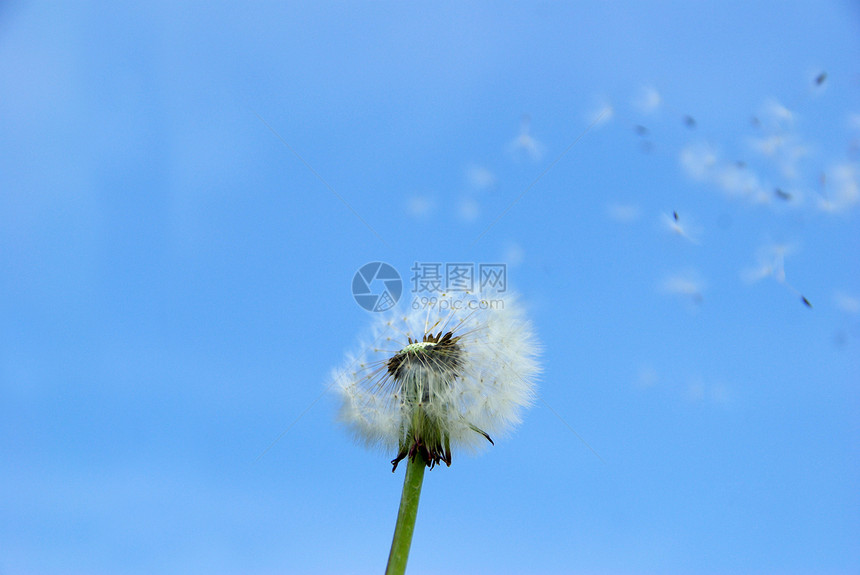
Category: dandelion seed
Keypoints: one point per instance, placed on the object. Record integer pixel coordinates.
(673, 224)
(772, 264)
(448, 375)
(782, 194)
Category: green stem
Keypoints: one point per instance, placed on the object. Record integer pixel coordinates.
(406, 516)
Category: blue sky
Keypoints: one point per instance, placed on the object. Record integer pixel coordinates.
(187, 188)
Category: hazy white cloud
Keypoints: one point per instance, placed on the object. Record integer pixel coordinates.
(647, 377)
(842, 188)
(647, 100)
(773, 115)
(420, 206)
(740, 180)
(846, 302)
(702, 163)
(777, 141)
(514, 254)
(525, 143)
(696, 389)
(786, 150)
(600, 115)
(699, 390)
(698, 160)
(468, 209)
(687, 284)
(480, 178)
(622, 213)
(767, 145)
(771, 263)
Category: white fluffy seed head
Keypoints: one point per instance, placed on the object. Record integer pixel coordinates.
(450, 374)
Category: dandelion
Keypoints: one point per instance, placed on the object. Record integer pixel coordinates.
(446, 375)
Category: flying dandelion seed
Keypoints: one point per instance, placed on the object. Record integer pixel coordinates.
(445, 376)
(673, 224)
(782, 194)
(772, 264)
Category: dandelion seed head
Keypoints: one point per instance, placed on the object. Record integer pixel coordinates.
(450, 374)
